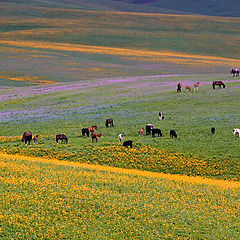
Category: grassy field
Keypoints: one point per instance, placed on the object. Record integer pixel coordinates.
(64, 70)
(132, 102)
(47, 199)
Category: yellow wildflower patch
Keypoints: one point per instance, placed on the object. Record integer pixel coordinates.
(175, 177)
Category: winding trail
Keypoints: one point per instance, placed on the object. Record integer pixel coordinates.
(223, 184)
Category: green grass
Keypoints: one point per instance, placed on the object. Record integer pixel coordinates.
(191, 114)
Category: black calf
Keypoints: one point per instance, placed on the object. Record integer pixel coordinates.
(85, 131)
(213, 130)
(128, 143)
(173, 134)
(156, 131)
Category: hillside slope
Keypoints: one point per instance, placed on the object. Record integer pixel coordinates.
(227, 8)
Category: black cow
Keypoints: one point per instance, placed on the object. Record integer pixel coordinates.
(173, 134)
(213, 130)
(156, 131)
(127, 143)
(85, 131)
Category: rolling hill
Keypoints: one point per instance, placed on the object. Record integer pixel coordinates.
(227, 8)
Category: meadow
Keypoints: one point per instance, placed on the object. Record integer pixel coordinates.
(63, 70)
(66, 108)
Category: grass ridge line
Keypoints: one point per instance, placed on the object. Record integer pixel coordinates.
(224, 184)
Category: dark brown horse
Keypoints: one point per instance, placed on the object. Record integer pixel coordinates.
(218, 83)
(61, 137)
(179, 87)
(109, 121)
(27, 137)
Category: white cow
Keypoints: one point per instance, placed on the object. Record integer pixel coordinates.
(120, 137)
(236, 131)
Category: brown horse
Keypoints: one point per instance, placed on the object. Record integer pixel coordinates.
(92, 129)
(140, 132)
(109, 121)
(179, 87)
(96, 136)
(27, 137)
(188, 88)
(61, 137)
(196, 85)
(218, 83)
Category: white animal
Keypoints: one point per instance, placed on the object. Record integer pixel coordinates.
(120, 137)
(236, 131)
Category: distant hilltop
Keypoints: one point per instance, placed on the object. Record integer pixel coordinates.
(225, 8)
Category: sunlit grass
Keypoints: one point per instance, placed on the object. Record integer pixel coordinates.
(48, 199)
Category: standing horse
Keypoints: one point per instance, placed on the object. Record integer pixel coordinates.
(188, 88)
(140, 132)
(61, 137)
(218, 83)
(27, 137)
(235, 72)
(196, 85)
(109, 121)
(96, 136)
(179, 87)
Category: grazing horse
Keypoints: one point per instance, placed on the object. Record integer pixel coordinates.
(236, 131)
(235, 72)
(218, 83)
(179, 87)
(188, 88)
(61, 137)
(120, 137)
(156, 131)
(35, 139)
(213, 130)
(127, 143)
(27, 137)
(92, 129)
(96, 136)
(109, 121)
(149, 128)
(173, 134)
(85, 131)
(196, 86)
(140, 132)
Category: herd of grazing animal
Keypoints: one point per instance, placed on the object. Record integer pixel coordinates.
(220, 84)
(27, 136)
